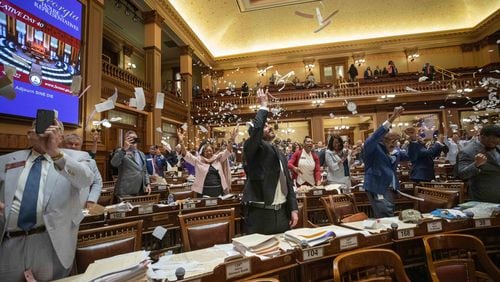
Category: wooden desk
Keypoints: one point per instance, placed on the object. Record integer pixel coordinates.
(210, 265)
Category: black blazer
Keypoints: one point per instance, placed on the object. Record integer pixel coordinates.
(262, 167)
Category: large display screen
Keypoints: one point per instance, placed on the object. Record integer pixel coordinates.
(41, 39)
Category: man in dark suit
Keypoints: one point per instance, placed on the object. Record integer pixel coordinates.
(271, 205)
(155, 161)
(380, 167)
(131, 163)
(479, 163)
(421, 157)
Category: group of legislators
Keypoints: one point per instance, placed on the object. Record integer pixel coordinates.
(45, 187)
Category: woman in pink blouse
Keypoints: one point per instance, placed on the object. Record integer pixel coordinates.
(213, 176)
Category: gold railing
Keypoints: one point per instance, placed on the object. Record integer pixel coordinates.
(446, 73)
(331, 94)
(123, 76)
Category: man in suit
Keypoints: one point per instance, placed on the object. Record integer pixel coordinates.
(89, 195)
(429, 71)
(40, 189)
(133, 178)
(271, 205)
(421, 157)
(380, 167)
(155, 161)
(479, 163)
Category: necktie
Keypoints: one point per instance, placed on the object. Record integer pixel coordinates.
(138, 158)
(27, 212)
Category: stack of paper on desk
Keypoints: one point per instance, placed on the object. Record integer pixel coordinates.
(309, 236)
(264, 245)
(126, 267)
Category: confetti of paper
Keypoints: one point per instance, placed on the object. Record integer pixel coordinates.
(140, 98)
(160, 97)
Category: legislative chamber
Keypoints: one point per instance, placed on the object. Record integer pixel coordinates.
(139, 140)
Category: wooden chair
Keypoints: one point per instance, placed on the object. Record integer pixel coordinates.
(455, 257)
(369, 265)
(207, 228)
(434, 199)
(142, 200)
(107, 193)
(106, 197)
(185, 194)
(448, 186)
(341, 208)
(108, 241)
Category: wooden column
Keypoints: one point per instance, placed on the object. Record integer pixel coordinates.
(92, 67)
(152, 46)
(317, 129)
(186, 63)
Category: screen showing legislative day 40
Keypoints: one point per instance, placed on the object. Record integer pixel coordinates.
(40, 57)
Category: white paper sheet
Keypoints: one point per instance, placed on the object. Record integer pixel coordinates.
(104, 106)
(140, 98)
(160, 98)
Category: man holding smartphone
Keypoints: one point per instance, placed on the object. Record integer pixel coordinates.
(132, 172)
(40, 211)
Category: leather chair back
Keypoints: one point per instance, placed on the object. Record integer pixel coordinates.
(458, 257)
(369, 265)
(207, 228)
(338, 207)
(108, 241)
(434, 199)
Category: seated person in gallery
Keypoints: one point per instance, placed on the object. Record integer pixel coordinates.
(297, 83)
(310, 80)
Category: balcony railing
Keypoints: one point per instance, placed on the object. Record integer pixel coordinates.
(123, 76)
(331, 94)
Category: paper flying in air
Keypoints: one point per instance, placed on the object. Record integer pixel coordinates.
(76, 84)
(140, 98)
(132, 102)
(105, 106)
(6, 87)
(184, 126)
(158, 129)
(203, 129)
(160, 97)
(114, 97)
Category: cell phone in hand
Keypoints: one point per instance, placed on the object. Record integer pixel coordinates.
(44, 119)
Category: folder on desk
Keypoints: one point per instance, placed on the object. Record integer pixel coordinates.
(309, 236)
(259, 244)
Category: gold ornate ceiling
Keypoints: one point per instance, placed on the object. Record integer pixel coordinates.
(226, 31)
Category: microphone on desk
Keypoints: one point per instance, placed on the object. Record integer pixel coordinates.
(394, 227)
(180, 272)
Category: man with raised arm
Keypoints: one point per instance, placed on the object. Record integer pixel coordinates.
(380, 167)
(271, 205)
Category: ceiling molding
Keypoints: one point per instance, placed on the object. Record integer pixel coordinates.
(369, 46)
(181, 29)
(339, 49)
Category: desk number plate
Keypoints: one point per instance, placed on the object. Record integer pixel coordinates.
(434, 226)
(117, 215)
(406, 233)
(482, 222)
(212, 202)
(317, 192)
(349, 242)
(408, 185)
(162, 187)
(145, 209)
(238, 268)
(312, 253)
(188, 206)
